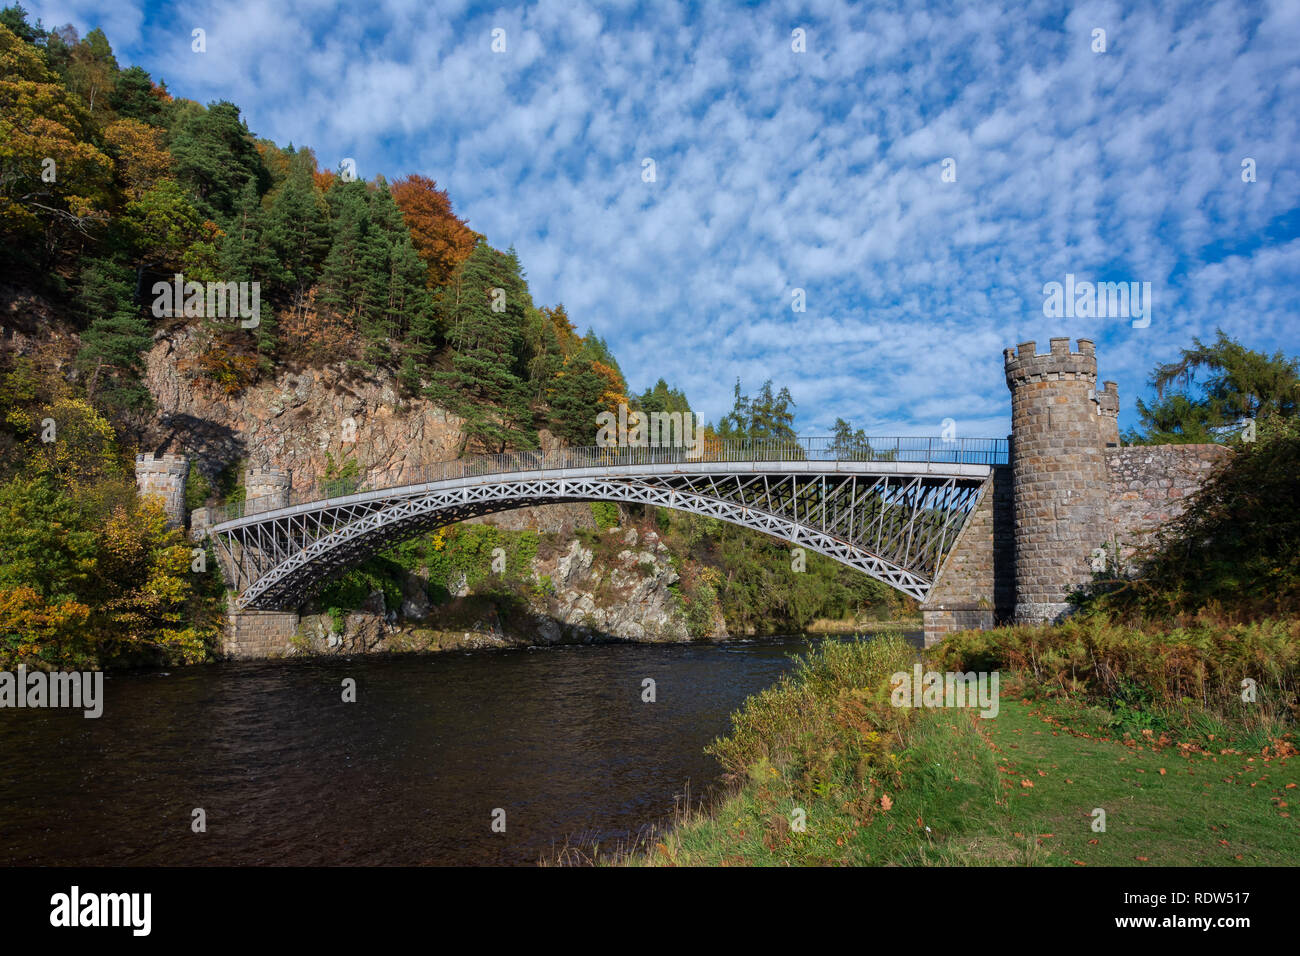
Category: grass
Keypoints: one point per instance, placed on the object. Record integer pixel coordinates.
(876, 785)
(1165, 803)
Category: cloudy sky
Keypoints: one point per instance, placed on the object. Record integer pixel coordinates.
(823, 170)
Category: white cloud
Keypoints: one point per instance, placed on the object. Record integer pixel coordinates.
(819, 170)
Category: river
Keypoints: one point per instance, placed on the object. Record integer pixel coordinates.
(411, 773)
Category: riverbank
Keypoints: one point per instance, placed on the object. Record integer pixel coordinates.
(852, 625)
(824, 769)
(485, 622)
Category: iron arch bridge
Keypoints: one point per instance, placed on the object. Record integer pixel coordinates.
(891, 508)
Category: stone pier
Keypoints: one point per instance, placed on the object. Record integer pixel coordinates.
(975, 588)
(260, 634)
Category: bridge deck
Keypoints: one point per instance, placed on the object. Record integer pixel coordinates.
(865, 468)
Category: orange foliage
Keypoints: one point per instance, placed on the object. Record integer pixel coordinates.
(442, 239)
(565, 331)
(274, 159)
(615, 393)
(231, 372)
(142, 157)
(25, 612)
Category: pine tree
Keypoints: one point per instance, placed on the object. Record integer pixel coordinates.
(576, 400)
(113, 344)
(217, 158)
(1240, 383)
(767, 417)
(135, 97)
(485, 329)
(296, 233)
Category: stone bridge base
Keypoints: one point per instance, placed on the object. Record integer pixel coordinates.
(939, 622)
(259, 634)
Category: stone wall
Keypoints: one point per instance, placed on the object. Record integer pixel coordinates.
(260, 634)
(1150, 485)
(962, 597)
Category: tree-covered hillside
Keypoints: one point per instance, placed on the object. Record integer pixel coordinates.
(110, 184)
(110, 187)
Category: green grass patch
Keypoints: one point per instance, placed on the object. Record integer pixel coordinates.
(822, 771)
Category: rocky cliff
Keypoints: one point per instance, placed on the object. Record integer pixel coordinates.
(301, 418)
(293, 420)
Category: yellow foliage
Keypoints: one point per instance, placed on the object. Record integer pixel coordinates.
(39, 121)
(142, 157)
(24, 612)
(84, 448)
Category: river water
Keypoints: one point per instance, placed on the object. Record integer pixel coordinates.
(411, 773)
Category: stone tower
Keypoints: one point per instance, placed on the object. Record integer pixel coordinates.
(1060, 426)
(270, 488)
(164, 478)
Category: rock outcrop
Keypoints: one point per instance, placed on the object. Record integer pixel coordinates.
(294, 420)
(302, 417)
(579, 596)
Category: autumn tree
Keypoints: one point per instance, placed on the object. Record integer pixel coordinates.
(442, 239)
(54, 182)
(90, 575)
(91, 73)
(140, 153)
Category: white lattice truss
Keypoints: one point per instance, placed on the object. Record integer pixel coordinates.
(892, 521)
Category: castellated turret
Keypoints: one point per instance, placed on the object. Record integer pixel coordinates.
(164, 478)
(268, 487)
(1060, 426)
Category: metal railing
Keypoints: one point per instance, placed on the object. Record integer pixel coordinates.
(961, 451)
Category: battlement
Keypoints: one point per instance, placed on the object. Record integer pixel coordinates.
(268, 477)
(1108, 399)
(162, 465)
(1024, 364)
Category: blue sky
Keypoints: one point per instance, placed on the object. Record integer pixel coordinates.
(819, 170)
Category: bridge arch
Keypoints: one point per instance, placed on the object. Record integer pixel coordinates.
(894, 521)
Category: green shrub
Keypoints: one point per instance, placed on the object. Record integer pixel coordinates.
(1139, 669)
(1235, 549)
(828, 726)
(606, 514)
